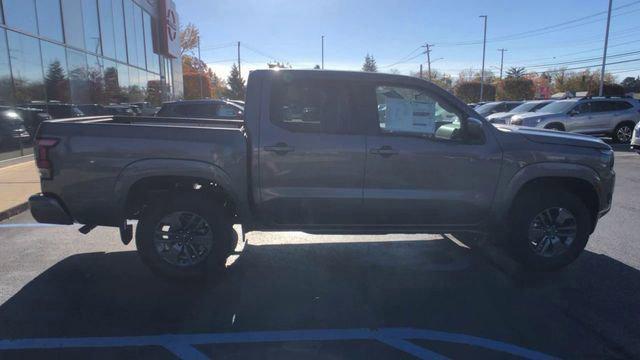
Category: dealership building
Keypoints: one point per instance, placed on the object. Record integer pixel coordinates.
(89, 51)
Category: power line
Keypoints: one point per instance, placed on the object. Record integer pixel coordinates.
(544, 30)
(591, 66)
(584, 60)
(405, 60)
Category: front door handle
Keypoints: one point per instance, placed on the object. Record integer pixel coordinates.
(384, 151)
(279, 148)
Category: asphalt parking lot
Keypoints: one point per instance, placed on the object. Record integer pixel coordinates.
(295, 295)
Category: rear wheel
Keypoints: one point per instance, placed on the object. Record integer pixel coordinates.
(189, 236)
(549, 231)
(623, 133)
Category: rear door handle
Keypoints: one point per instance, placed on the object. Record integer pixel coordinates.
(384, 151)
(279, 148)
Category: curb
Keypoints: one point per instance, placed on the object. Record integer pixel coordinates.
(12, 211)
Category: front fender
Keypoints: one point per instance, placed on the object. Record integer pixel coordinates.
(136, 171)
(506, 194)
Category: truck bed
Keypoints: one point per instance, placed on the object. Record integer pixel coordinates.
(94, 156)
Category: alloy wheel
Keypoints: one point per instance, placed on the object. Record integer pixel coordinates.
(552, 232)
(183, 239)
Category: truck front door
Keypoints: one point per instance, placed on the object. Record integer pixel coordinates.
(312, 153)
(422, 169)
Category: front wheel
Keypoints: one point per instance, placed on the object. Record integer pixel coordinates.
(623, 133)
(549, 231)
(188, 237)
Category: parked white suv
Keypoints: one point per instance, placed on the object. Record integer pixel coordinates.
(615, 117)
(635, 141)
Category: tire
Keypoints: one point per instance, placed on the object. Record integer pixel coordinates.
(526, 238)
(623, 132)
(200, 229)
(556, 127)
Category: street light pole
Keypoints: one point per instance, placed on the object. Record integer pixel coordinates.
(200, 75)
(604, 55)
(322, 52)
(484, 46)
(501, 60)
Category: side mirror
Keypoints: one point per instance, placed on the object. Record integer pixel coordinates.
(574, 112)
(475, 131)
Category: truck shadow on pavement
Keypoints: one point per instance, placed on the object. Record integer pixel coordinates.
(590, 309)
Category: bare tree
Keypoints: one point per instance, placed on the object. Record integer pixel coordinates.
(189, 36)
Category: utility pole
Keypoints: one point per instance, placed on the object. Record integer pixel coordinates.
(239, 68)
(322, 67)
(501, 60)
(484, 46)
(202, 74)
(604, 55)
(420, 71)
(428, 52)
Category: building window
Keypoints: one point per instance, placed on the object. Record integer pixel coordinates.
(132, 52)
(21, 14)
(24, 52)
(118, 30)
(49, 19)
(73, 26)
(106, 28)
(123, 82)
(91, 27)
(137, 23)
(6, 86)
(111, 85)
(96, 80)
(56, 81)
(152, 59)
(78, 76)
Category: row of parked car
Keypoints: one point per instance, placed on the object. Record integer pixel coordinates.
(602, 116)
(18, 124)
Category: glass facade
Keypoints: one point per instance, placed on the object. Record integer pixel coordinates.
(83, 52)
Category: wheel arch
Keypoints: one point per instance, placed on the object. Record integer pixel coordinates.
(143, 178)
(579, 179)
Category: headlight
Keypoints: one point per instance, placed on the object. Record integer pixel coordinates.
(607, 158)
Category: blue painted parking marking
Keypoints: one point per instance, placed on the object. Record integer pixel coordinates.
(181, 345)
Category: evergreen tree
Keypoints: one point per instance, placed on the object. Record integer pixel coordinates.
(369, 64)
(56, 84)
(236, 84)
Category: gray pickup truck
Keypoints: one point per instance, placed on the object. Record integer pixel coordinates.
(324, 152)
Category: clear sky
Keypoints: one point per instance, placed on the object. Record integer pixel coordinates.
(537, 34)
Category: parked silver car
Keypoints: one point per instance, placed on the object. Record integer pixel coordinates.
(635, 140)
(529, 106)
(615, 117)
(496, 107)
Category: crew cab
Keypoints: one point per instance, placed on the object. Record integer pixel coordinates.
(323, 152)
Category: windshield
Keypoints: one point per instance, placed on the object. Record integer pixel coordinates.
(557, 107)
(486, 108)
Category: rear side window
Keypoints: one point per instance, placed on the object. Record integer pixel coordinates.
(311, 106)
(227, 111)
(602, 106)
(509, 106)
(622, 105)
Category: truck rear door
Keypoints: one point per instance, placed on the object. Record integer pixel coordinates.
(311, 154)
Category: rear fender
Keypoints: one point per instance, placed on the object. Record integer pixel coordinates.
(142, 169)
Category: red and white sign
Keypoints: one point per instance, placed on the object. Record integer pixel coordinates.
(170, 39)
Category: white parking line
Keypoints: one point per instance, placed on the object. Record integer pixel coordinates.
(28, 225)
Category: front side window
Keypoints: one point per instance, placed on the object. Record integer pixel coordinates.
(305, 106)
(411, 110)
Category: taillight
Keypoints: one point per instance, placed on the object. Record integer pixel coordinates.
(42, 157)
